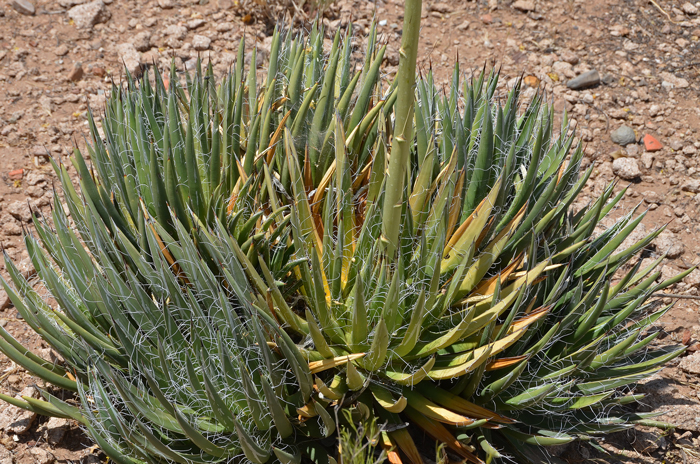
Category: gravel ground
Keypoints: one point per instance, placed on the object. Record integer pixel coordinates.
(626, 71)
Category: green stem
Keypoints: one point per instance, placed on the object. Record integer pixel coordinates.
(403, 127)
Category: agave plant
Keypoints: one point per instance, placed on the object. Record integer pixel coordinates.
(250, 268)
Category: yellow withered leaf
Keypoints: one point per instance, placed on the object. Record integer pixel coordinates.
(406, 444)
(335, 390)
(322, 186)
(473, 360)
(467, 362)
(411, 379)
(529, 319)
(455, 206)
(469, 231)
(488, 286)
(504, 362)
(440, 433)
(460, 405)
(386, 400)
(489, 255)
(307, 411)
(275, 138)
(325, 364)
(550, 267)
(391, 454)
(169, 257)
(361, 178)
(427, 408)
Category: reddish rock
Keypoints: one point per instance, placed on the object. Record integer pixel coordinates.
(76, 73)
(486, 19)
(651, 144)
(17, 174)
(531, 81)
(98, 71)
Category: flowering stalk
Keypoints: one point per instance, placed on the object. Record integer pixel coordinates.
(401, 143)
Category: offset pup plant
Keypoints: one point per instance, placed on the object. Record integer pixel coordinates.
(252, 271)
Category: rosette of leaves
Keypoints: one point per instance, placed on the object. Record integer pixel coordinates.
(231, 279)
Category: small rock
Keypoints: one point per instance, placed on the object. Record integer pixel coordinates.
(5, 302)
(486, 19)
(142, 41)
(626, 168)
(130, 57)
(668, 243)
(524, 5)
(51, 356)
(654, 110)
(87, 15)
(201, 43)
(651, 144)
(175, 31)
(675, 144)
(34, 192)
(440, 7)
(195, 23)
(26, 268)
(463, 26)
(693, 279)
(689, 8)
(562, 68)
(192, 64)
(166, 4)
(68, 4)
(41, 456)
(56, 429)
(689, 150)
(90, 459)
(531, 81)
(582, 81)
(671, 81)
(98, 71)
(647, 160)
(61, 50)
(569, 57)
(691, 364)
(19, 210)
(392, 57)
(651, 197)
(632, 150)
(42, 150)
(46, 103)
(224, 27)
(17, 420)
(623, 135)
(6, 456)
(692, 185)
(16, 174)
(76, 73)
(12, 227)
(619, 30)
(14, 379)
(24, 7)
(646, 442)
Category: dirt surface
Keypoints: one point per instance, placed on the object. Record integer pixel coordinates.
(61, 58)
